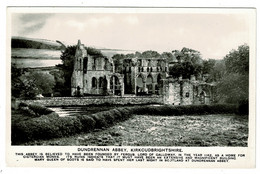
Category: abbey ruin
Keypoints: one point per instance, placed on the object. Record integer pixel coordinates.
(94, 76)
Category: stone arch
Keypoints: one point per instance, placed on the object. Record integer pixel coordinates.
(141, 75)
(105, 63)
(101, 82)
(149, 79)
(94, 82)
(140, 80)
(149, 84)
(202, 96)
(115, 84)
(159, 78)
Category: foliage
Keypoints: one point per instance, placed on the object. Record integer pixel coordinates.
(27, 84)
(189, 63)
(67, 58)
(40, 110)
(118, 62)
(171, 110)
(234, 85)
(52, 126)
(16, 82)
(208, 65)
(88, 123)
(44, 127)
(150, 54)
(59, 83)
(29, 90)
(218, 71)
(35, 83)
(94, 52)
(169, 57)
(237, 61)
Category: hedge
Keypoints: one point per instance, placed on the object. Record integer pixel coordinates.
(170, 110)
(52, 126)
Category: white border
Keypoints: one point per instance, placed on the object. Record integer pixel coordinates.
(161, 3)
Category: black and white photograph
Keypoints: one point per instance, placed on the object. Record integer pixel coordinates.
(132, 77)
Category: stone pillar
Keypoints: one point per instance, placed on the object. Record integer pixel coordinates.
(108, 85)
(144, 87)
(121, 81)
(122, 89)
(113, 86)
(153, 89)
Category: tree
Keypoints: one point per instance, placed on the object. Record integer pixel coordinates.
(237, 61)
(150, 54)
(118, 62)
(189, 63)
(168, 56)
(217, 72)
(67, 58)
(234, 85)
(16, 83)
(44, 82)
(35, 83)
(208, 65)
(59, 83)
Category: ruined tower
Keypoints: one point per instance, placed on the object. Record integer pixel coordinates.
(77, 79)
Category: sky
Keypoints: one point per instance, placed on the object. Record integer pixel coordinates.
(212, 34)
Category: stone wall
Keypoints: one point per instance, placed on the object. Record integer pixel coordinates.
(96, 100)
(187, 93)
(177, 92)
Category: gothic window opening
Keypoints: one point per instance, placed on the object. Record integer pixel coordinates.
(149, 63)
(94, 82)
(149, 84)
(115, 85)
(80, 64)
(105, 65)
(94, 64)
(85, 64)
(101, 82)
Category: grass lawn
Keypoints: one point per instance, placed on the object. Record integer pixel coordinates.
(142, 130)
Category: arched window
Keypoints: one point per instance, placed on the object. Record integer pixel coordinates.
(94, 82)
(158, 63)
(94, 64)
(139, 63)
(105, 64)
(85, 64)
(149, 63)
(149, 84)
(101, 82)
(159, 78)
(80, 64)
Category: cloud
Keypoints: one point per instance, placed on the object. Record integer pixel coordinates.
(29, 23)
(211, 34)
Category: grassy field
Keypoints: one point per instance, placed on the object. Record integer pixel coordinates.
(142, 130)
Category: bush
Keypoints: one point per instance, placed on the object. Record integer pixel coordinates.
(40, 110)
(45, 127)
(28, 112)
(52, 126)
(117, 115)
(185, 110)
(100, 120)
(88, 123)
(125, 113)
(109, 117)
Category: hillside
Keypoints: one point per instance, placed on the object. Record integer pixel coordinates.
(32, 53)
(23, 42)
